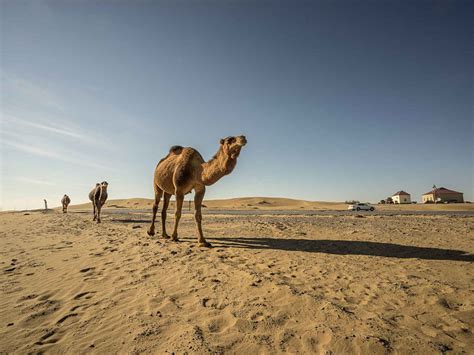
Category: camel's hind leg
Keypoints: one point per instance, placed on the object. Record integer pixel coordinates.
(166, 202)
(158, 194)
(177, 214)
(198, 197)
(93, 206)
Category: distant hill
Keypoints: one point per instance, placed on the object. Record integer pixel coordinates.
(272, 203)
(269, 203)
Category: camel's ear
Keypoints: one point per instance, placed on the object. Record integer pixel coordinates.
(222, 141)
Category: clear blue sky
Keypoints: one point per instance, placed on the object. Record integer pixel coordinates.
(338, 99)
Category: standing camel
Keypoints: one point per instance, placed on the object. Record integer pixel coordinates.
(183, 170)
(98, 196)
(65, 201)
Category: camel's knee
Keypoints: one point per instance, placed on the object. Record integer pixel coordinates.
(163, 214)
(198, 216)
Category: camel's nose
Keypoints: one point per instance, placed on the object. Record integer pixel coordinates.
(243, 140)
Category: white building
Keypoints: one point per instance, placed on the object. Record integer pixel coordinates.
(401, 197)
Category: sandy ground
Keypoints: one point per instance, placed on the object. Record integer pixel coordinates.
(310, 284)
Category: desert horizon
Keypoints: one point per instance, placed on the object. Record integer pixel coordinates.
(261, 202)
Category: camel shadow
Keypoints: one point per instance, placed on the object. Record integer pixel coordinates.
(130, 220)
(344, 247)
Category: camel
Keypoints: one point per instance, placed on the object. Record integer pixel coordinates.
(98, 196)
(184, 170)
(65, 201)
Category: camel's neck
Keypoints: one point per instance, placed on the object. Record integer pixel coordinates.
(217, 167)
(103, 192)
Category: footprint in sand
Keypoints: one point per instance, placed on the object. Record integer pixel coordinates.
(62, 319)
(87, 269)
(39, 311)
(87, 295)
(46, 338)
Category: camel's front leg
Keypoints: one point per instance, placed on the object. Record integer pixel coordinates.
(166, 202)
(198, 197)
(177, 214)
(93, 206)
(99, 207)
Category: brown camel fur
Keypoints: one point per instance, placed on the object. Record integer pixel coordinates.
(183, 170)
(98, 196)
(65, 201)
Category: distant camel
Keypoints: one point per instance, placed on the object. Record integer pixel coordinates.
(183, 170)
(98, 196)
(65, 201)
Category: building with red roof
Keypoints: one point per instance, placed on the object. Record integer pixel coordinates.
(442, 194)
(401, 197)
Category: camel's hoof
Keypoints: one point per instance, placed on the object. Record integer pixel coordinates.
(150, 232)
(205, 244)
(165, 236)
(174, 239)
(98, 221)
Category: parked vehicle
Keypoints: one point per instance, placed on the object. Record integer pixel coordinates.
(361, 207)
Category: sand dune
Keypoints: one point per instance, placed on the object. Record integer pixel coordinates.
(275, 203)
(271, 284)
(243, 203)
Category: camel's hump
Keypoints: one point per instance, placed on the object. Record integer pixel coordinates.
(176, 149)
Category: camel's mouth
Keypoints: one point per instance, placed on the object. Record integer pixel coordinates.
(236, 152)
(242, 141)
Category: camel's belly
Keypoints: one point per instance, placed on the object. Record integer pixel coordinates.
(169, 188)
(178, 172)
(164, 180)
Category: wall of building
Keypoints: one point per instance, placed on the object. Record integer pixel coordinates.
(458, 197)
(401, 199)
(450, 197)
(428, 197)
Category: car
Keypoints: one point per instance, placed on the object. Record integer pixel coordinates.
(361, 207)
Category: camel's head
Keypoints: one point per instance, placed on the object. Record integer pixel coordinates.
(231, 146)
(104, 185)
